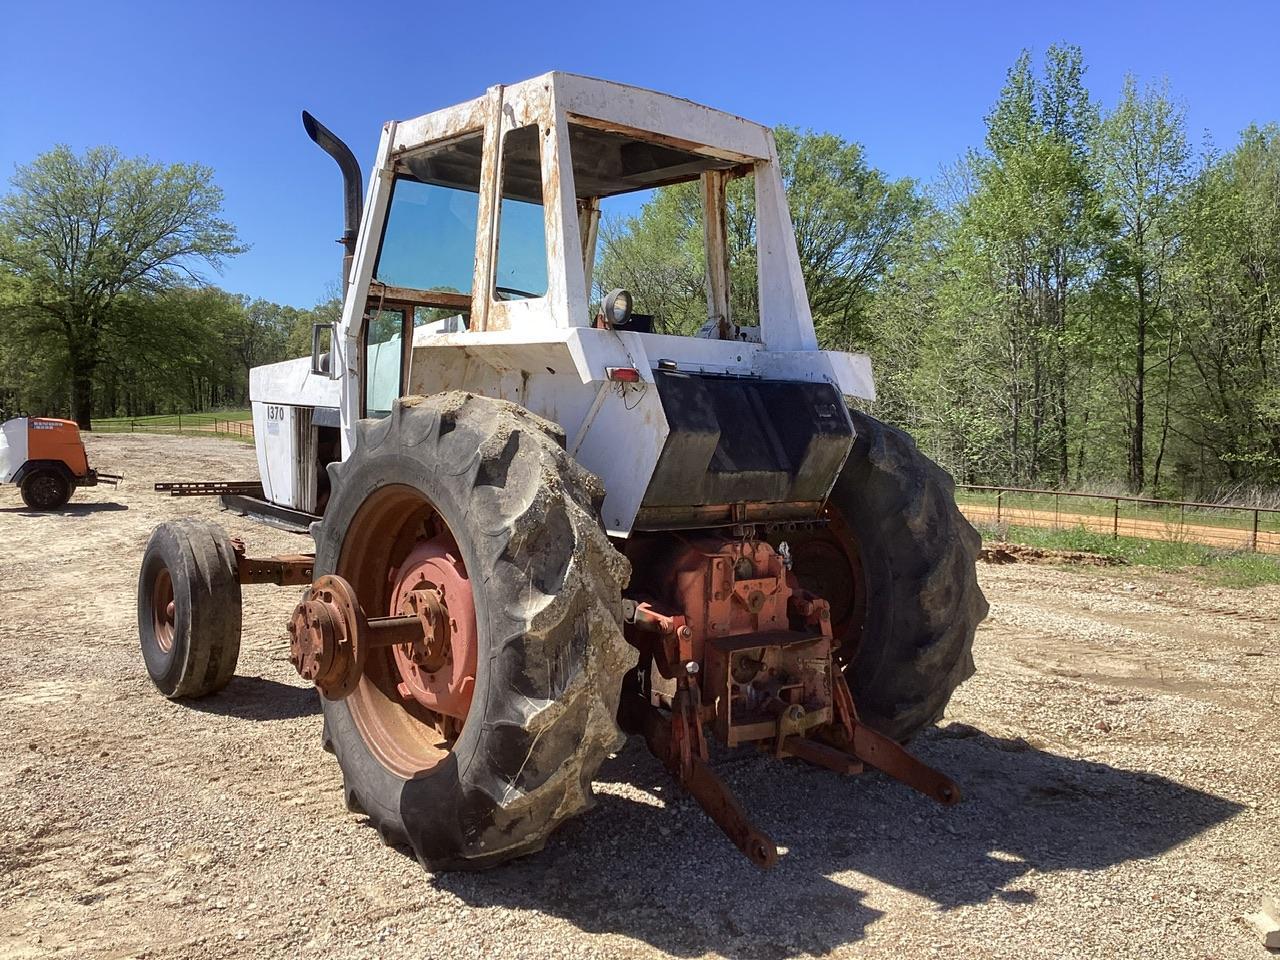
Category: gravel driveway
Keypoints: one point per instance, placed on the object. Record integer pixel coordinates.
(1117, 747)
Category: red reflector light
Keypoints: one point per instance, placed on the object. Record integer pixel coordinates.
(624, 374)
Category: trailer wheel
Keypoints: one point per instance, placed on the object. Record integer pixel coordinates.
(46, 489)
(189, 608)
(476, 760)
(897, 561)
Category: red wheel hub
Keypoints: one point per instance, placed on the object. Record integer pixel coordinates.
(438, 671)
(163, 609)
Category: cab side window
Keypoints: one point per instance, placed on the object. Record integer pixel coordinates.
(384, 361)
(521, 272)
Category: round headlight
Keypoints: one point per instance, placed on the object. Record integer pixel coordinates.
(616, 307)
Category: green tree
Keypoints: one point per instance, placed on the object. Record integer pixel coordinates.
(327, 310)
(850, 222)
(657, 254)
(167, 353)
(81, 232)
(1143, 161)
(1025, 237)
(259, 333)
(1229, 300)
(32, 370)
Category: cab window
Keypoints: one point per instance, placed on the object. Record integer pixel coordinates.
(521, 272)
(384, 361)
(645, 204)
(423, 275)
(429, 242)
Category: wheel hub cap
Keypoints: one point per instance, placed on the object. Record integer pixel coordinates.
(439, 670)
(163, 609)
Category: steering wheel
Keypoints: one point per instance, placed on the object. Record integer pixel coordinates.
(512, 293)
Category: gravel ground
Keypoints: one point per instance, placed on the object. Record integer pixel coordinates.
(1117, 748)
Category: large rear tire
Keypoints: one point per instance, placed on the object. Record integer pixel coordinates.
(898, 563)
(486, 486)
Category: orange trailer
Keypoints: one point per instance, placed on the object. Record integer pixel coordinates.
(45, 457)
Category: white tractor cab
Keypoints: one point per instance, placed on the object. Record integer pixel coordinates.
(543, 519)
(476, 249)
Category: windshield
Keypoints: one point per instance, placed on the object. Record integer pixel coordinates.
(521, 272)
(651, 239)
(430, 241)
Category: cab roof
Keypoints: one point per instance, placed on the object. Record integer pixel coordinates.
(628, 113)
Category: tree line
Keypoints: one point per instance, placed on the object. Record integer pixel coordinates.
(104, 309)
(1086, 299)
(1094, 300)
(188, 349)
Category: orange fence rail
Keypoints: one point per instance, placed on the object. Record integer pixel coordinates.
(1226, 525)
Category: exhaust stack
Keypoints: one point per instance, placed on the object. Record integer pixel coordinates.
(352, 187)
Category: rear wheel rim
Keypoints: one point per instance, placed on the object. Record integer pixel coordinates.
(163, 609)
(398, 543)
(828, 563)
(46, 490)
(440, 675)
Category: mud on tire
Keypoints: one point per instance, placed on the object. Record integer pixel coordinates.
(922, 601)
(551, 656)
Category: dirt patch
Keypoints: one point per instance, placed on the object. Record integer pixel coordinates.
(1116, 748)
(1000, 551)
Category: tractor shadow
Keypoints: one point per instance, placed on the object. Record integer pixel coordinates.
(70, 510)
(668, 877)
(255, 698)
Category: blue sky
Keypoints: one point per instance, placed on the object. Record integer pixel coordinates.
(224, 83)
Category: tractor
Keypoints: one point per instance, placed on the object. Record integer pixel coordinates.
(543, 521)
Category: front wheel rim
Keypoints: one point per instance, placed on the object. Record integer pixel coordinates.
(163, 610)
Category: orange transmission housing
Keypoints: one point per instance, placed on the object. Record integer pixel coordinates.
(59, 440)
(732, 610)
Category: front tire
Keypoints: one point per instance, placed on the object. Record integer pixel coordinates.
(189, 612)
(487, 486)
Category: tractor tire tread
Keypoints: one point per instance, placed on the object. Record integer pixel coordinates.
(556, 655)
(919, 557)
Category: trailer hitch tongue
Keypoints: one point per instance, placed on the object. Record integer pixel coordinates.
(330, 636)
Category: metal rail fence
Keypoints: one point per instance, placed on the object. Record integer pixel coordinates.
(1231, 526)
(178, 423)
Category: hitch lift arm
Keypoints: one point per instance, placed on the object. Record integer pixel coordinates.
(676, 738)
